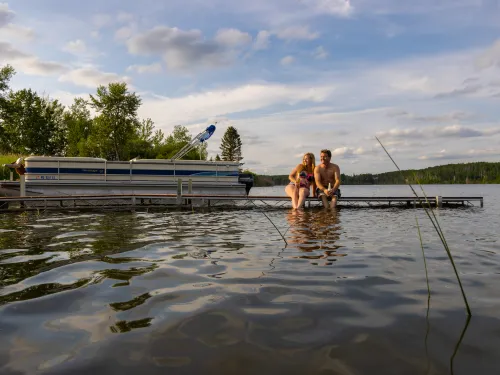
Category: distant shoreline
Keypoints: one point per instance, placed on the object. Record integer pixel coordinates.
(449, 174)
(434, 183)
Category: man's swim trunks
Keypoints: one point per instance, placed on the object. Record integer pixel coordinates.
(319, 193)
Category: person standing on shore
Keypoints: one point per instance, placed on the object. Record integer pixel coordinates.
(327, 177)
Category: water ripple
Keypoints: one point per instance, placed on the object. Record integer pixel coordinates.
(221, 292)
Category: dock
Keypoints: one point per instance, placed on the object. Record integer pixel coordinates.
(191, 201)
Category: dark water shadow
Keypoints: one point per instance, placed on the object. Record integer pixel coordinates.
(230, 341)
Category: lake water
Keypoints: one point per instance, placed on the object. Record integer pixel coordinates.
(219, 292)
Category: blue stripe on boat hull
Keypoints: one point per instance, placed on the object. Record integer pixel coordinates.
(151, 172)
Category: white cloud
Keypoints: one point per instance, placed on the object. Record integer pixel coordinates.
(101, 20)
(447, 117)
(125, 17)
(419, 84)
(443, 76)
(15, 32)
(392, 7)
(11, 31)
(67, 98)
(348, 152)
(91, 77)
(462, 91)
(320, 53)
(332, 7)
(125, 32)
(27, 63)
(490, 57)
(187, 49)
(273, 14)
(76, 47)
(297, 33)
(141, 69)
(35, 66)
(232, 37)
(287, 60)
(262, 40)
(5, 14)
(7, 52)
(453, 131)
(470, 154)
(169, 111)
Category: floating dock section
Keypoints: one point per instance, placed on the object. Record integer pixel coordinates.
(180, 201)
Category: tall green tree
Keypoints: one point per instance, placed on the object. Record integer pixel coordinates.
(116, 124)
(180, 137)
(33, 124)
(78, 127)
(6, 73)
(231, 145)
(147, 142)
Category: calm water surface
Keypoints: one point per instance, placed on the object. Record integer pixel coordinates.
(218, 291)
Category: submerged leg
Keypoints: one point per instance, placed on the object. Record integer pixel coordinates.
(324, 199)
(292, 192)
(303, 194)
(333, 203)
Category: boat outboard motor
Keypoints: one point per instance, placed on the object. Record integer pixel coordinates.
(18, 166)
(247, 179)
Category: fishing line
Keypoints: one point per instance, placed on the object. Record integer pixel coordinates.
(282, 236)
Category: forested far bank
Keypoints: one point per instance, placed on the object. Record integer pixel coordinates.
(460, 173)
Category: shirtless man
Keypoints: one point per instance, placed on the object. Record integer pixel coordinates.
(324, 174)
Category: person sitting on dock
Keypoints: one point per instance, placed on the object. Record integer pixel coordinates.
(327, 176)
(301, 179)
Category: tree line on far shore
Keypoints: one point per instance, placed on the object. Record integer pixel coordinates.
(31, 124)
(462, 173)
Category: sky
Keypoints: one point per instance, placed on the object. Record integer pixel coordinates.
(292, 76)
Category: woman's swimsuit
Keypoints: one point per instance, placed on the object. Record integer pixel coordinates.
(304, 182)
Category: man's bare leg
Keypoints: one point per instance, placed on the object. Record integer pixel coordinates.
(324, 199)
(333, 203)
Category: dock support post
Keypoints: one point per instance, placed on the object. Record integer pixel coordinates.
(190, 191)
(22, 188)
(179, 190)
(439, 201)
(22, 185)
(133, 201)
(481, 202)
(11, 175)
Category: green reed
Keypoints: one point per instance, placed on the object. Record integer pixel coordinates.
(425, 261)
(436, 226)
(282, 236)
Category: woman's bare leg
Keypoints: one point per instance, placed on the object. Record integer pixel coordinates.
(303, 194)
(291, 191)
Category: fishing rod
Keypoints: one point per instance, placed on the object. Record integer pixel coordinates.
(200, 138)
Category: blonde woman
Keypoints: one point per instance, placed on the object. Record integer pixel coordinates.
(301, 179)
